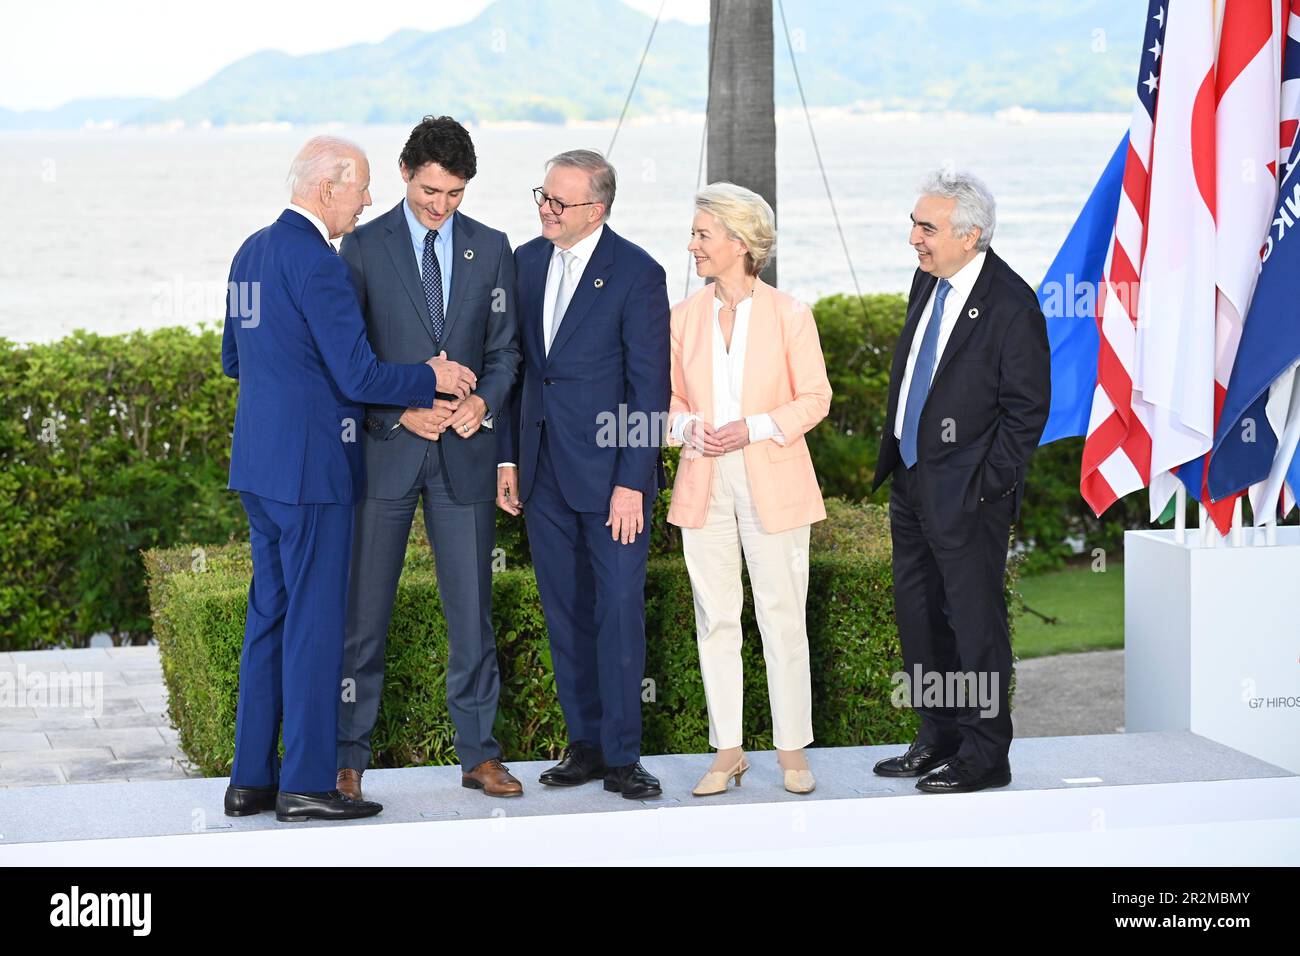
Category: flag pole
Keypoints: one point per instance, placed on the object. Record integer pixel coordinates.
(1209, 534)
(1238, 536)
(1180, 514)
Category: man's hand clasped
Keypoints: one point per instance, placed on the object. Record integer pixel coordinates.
(463, 415)
(453, 378)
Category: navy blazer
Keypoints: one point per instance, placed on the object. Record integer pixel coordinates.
(610, 358)
(480, 332)
(295, 339)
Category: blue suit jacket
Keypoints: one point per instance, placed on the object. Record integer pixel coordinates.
(611, 350)
(295, 339)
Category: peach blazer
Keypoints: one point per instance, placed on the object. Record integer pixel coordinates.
(785, 376)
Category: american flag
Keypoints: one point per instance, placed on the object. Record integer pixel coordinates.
(1117, 449)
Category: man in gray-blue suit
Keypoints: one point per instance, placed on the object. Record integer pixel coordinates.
(429, 277)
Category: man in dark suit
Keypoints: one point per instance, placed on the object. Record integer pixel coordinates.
(295, 340)
(594, 328)
(968, 399)
(432, 280)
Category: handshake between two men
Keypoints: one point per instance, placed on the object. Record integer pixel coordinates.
(463, 414)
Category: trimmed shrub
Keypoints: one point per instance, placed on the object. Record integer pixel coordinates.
(199, 597)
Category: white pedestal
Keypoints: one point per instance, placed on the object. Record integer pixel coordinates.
(1212, 641)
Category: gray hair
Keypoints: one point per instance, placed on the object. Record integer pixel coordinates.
(747, 218)
(321, 159)
(975, 209)
(599, 172)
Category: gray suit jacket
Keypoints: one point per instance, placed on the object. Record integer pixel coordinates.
(480, 331)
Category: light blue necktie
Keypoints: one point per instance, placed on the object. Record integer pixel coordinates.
(921, 375)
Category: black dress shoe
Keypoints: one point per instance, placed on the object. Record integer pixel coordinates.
(245, 801)
(960, 777)
(918, 759)
(330, 805)
(579, 764)
(633, 781)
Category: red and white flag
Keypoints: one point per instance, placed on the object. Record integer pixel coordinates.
(1247, 92)
(1174, 357)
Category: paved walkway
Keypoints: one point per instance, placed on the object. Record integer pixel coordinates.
(85, 716)
(100, 715)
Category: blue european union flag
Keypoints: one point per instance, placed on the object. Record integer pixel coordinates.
(1068, 299)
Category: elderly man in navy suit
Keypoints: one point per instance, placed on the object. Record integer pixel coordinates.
(430, 278)
(594, 329)
(295, 339)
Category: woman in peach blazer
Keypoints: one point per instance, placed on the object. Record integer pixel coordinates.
(748, 381)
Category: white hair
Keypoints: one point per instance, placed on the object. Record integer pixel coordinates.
(975, 209)
(323, 159)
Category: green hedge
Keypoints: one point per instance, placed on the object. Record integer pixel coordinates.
(109, 445)
(142, 426)
(198, 598)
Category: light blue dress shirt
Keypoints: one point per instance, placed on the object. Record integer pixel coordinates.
(442, 248)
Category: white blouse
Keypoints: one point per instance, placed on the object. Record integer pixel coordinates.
(729, 380)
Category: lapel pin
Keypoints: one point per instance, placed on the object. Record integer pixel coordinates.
(469, 253)
(599, 283)
(974, 313)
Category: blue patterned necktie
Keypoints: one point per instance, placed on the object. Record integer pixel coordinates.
(433, 283)
(921, 375)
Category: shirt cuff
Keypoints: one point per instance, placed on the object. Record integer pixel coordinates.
(487, 422)
(762, 427)
(680, 421)
(507, 464)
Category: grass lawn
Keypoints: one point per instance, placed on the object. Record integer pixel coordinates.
(1088, 606)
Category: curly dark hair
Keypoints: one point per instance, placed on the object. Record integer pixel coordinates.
(441, 140)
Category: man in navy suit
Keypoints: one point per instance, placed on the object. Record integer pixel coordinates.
(295, 340)
(594, 331)
(431, 279)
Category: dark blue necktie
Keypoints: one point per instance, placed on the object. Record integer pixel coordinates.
(921, 374)
(433, 283)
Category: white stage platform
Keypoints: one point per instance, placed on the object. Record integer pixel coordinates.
(1119, 799)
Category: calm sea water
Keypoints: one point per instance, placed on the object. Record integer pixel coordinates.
(119, 230)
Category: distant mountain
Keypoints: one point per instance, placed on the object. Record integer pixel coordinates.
(76, 114)
(558, 60)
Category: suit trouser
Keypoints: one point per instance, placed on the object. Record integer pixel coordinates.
(952, 623)
(293, 645)
(461, 536)
(593, 597)
(778, 574)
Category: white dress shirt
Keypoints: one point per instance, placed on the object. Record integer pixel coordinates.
(729, 380)
(582, 251)
(316, 221)
(962, 283)
(579, 255)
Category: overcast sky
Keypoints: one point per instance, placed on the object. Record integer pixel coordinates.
(52, 51)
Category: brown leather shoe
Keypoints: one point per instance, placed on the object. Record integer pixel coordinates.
(493, 778)
(349, 783)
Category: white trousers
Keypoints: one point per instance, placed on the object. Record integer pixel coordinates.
(778, 573)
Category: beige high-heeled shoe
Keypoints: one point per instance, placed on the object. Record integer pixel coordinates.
(715, 781)
(800, 781)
